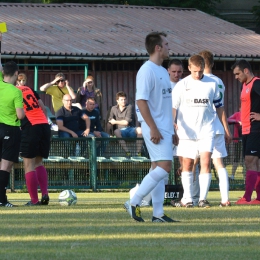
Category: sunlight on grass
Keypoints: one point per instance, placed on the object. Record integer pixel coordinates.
(133, 236)
(99, 228)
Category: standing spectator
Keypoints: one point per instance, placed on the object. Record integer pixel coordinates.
(35, 144)
(68, 120)
(11, 112)
(95, 125)
(89, 90)
(57, 89)
(153, 100)
(21, 81)
(122, 116)
(237, 148)
(250, 119)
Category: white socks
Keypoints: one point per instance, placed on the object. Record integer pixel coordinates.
(158, 199)
(187, 183)
(223, 184)
(148, 184)
(204, 179)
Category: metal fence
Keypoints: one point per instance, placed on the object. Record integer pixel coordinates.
(102, 163)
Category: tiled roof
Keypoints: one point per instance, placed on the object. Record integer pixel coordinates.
(88, 31)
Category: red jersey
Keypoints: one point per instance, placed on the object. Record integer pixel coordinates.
(250, 102)
(33, 112)
(236, 118)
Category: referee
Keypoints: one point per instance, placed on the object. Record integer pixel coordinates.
(11, 111)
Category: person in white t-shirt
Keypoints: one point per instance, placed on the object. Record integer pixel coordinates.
(197, 99)
(219, 150)
(153, 109)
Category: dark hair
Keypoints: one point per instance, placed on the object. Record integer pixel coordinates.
(197, 61)
(175, 62)
(120, 94)
(242, 64)
(153, 39)
(10, 68)
(208, 58)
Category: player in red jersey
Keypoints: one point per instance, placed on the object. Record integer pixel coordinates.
(35, 143)
(250, 120)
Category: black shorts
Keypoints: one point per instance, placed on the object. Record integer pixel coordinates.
(10, 137)
(35, 141)
(251, 144)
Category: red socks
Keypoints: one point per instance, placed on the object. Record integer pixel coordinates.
(32, 185)
(257, 186)
(42, 179)
(251, 178)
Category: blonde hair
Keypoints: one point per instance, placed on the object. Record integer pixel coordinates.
(91, 79)
(22, 76)
(197, 61)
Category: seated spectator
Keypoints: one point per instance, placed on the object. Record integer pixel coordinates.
(68, 120)
(57, 89)
(123, 118)
(21, 81)
(89, 90)
(95, 125)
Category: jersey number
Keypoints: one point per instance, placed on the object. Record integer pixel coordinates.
(34, 103)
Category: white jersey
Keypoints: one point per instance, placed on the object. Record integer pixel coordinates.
(153, 85)
(195, 101)
(218, 125)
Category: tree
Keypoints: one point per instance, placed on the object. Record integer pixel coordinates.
(207, 6)
(256, 12)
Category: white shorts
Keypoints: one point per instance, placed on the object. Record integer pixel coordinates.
(191, 148)
(219, 150)
(158, 152)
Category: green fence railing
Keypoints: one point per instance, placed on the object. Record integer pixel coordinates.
(101, 163)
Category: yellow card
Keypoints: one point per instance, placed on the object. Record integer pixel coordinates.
(3, 27)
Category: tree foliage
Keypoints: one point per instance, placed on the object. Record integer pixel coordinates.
(256, 12)
(207, 6)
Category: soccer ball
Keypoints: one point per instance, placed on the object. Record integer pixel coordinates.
(67, 198)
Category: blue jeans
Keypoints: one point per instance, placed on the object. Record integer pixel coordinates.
(128, 132)
(101, 148)
(82, 148)
(63, 134)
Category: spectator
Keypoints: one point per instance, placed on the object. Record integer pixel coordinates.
(122, 116)
(68, 119)
(35, 145)
(89, 90)
(21, 81)
(11, 112)
(57, 89)
(237, 148)
(95, 125)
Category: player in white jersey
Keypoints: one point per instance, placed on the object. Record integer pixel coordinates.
(153, 100)
(195, 98)
(219, 150)
(175, 70)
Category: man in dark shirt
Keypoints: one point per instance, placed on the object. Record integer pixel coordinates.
(122, 116)
(68, 120)
(95, 125)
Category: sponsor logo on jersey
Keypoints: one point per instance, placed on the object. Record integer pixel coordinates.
(201, 101)
(166, 90)
(197, 101)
